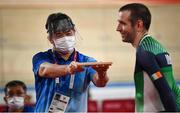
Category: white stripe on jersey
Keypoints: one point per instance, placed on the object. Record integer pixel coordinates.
(152, 101)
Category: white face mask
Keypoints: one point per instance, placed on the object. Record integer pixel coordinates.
(65, 44)
(15, 102)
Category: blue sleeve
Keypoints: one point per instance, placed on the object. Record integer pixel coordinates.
(91, 71)
(38, 59)
(149, 63)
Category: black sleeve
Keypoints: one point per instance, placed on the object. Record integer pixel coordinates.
(149, 64)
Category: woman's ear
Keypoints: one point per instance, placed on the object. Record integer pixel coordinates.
(50, 39)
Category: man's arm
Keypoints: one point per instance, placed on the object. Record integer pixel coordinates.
(150, 65)
(49, 70)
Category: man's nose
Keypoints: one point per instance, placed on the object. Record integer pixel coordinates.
(119, 28)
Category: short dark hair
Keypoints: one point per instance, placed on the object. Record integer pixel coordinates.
(15, 83)
(58, 22)
(138, 11)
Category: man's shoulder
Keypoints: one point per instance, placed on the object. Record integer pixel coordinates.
(152, 45)
(149, 41)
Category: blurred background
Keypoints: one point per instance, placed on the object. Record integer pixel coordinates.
(23, 34)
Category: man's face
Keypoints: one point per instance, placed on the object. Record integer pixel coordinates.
(125, 27)
(15, 97)
(15, 91)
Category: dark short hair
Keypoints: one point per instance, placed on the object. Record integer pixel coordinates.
(15, 83)
(138, 11)
(58, 22)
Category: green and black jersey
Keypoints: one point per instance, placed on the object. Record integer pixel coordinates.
(156, 88)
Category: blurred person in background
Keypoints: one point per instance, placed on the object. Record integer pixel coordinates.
(156, 88)
(61, 84)
(16, 97)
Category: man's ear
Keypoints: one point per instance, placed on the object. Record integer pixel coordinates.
(27, 99)
(139, 25)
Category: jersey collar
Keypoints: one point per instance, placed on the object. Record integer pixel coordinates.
(146, 35)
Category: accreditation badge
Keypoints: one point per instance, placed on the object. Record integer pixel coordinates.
(59, 103)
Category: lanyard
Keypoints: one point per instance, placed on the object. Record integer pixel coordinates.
(72, 77)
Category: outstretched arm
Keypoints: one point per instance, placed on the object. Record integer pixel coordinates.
(54, 70)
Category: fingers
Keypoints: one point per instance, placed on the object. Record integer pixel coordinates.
(100, 67)
(74, 67)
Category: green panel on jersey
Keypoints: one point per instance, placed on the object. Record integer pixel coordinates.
(139, 84)
(167, 72)
(151, 45)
